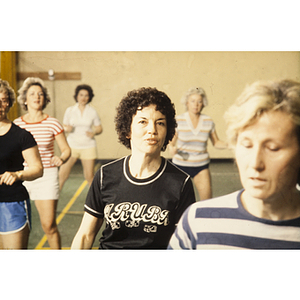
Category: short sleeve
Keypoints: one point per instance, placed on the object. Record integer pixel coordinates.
(93, 204)
(213, 126)
(66, 119)
(187, 198)
(27, 140)
(96, 119)
(57, 127)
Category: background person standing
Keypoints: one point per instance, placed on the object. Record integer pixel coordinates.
(34, 97)
(82, 123)
(189, 146)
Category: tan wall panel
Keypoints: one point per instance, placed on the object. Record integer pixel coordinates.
(8, 73)
(223, 75)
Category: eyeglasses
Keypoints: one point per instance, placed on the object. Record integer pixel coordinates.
(4, 102)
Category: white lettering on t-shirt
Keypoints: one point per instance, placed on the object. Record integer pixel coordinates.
(134, 213)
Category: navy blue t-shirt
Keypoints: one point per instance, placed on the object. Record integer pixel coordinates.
(139, 213)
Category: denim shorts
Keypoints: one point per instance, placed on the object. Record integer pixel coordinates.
(14, 216)
(193, 171)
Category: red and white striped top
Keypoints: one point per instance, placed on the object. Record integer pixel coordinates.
(44, 133)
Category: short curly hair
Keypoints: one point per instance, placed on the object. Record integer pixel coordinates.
(195, 91)
(138, 99)
(7, 89)
(84, 87)
(30, 81)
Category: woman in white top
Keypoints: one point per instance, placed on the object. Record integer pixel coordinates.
(82, 123)
(189, 146)
(34, 98)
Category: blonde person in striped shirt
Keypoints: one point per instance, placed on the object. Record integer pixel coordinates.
(263, 130)
(189, 145)
(33, 97)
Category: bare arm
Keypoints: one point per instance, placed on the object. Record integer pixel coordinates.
(64, 149)
(34, 170)
(68, 128)
(96, 130)
(87, 232)
(216, 142)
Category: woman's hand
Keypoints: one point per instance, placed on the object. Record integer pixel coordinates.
(68, 128)
(64, 148)
(57, 161)
(216, 142)
(90, 134)
(172, 145)
(96, 130)
(9, 178)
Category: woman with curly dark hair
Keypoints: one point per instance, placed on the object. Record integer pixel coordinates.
(140, 196)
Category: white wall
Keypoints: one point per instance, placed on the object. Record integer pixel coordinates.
(223, 75)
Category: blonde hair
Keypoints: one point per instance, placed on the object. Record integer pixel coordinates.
(7, 89)
(195, 91)
(260, 97)
(30, 81)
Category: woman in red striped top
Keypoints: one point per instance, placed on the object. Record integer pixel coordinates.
(33, 97)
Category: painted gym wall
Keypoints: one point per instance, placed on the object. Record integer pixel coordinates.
(223, 75)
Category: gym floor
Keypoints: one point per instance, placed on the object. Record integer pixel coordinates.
(225, 179)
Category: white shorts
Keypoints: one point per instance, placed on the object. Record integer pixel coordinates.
(44, 188)
(85, 154)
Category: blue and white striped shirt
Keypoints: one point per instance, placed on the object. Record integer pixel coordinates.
(192, 142)
(223, 223)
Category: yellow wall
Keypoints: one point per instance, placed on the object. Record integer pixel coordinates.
(223, 75)
(8, 73)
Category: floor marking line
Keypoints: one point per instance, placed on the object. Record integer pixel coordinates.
(73, 212)
(63, 213)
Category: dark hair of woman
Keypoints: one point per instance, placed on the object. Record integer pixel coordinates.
(137, 100)
(84, 87)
